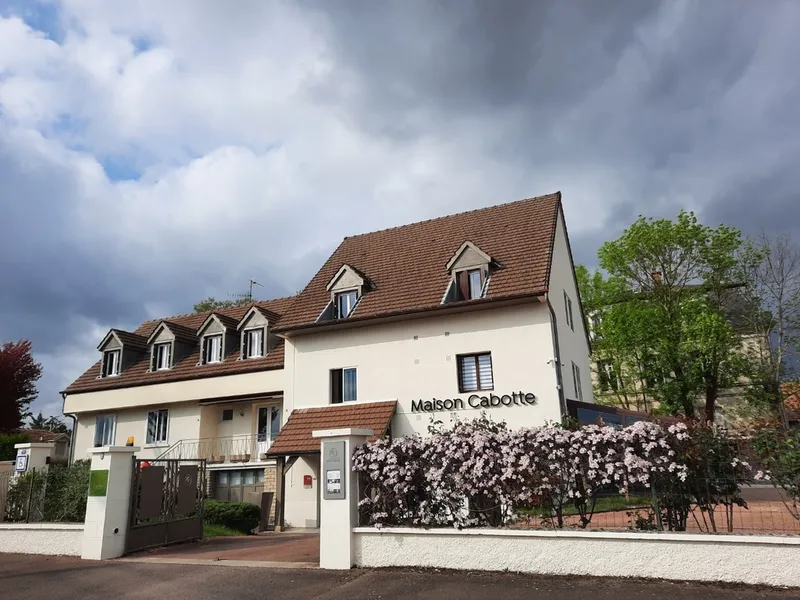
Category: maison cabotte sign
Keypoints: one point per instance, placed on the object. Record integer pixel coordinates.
(474, 401)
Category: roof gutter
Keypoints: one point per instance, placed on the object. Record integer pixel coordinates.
(74, 427)
(557, 350)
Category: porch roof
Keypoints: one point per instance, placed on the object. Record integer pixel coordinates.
(295, 437)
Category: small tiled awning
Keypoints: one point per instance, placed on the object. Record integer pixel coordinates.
(295, 437)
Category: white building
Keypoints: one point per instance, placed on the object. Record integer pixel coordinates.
(440, 319)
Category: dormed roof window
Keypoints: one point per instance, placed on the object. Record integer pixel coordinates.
(346, 287)
(254, 333)
(120, 349)
(470, 270)
(218, 334)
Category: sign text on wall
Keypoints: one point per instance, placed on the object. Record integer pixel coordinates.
(474, 401)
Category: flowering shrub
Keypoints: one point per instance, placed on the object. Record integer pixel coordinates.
(779, 452)
(478, 473)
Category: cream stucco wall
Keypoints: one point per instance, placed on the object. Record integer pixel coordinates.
(573, 345)
(183, 424)
(191, 390)
(55, 539)
(416, 360)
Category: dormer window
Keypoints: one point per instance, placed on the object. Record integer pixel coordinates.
(469, 268)
(345, 302)
(111, 363)
(212, 349)
(347, 288)
(253, 345)
(162, 356)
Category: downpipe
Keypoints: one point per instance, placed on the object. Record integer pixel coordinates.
(557, 350)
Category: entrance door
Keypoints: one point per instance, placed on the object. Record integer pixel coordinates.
(269, 423)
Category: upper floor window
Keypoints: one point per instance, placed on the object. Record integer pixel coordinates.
(607, 376)
(157, 426)
(212, 348)
(576, 381)
(104, 431)
(343, 385)
(475, 372)
(345, 302)
(469, 284)
(253, 345)
(162, 356)
(111, 363)
(568, 310)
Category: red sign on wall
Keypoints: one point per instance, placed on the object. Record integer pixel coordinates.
(306, 481)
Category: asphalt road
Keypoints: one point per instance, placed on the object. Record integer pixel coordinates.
(26, 577)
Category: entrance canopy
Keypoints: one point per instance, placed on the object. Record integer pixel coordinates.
(295, 438)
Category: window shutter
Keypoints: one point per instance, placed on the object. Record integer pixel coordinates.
(485, 371)
(463, 285)
(204, 352)
(469, 374)
(262, 335)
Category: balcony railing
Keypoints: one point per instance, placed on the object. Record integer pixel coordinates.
(235, 449)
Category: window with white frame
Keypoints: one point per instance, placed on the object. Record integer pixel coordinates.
(111, 363)
(212, 348)
(253, 344)
(157, 421)
(576, 381)
(345, 303)
(475, 372)
(568, 310)
(344, 384)
(162, 356)
(104, 430)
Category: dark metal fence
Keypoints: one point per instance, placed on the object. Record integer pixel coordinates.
(53, 494)
(166, 502)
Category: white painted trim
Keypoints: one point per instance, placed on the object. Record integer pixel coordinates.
(345, 432)
(44, 526)
(780, 540)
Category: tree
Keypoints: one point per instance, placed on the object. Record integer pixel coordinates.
(668, 286)
(53, 423)
(771, 267)
(19, 373)
(212, 303)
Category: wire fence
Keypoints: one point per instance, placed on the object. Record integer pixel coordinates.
(53, 494)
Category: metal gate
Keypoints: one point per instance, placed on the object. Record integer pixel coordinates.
(166, 502)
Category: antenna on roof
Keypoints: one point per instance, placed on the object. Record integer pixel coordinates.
(252, 283)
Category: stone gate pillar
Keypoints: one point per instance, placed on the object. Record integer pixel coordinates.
(338, 495)
(108, 503)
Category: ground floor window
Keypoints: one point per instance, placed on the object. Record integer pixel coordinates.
(239, 485)
(104, 431)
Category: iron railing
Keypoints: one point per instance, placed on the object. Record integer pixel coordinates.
(234, 449)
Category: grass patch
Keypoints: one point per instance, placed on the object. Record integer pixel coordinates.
(609, 504)
(211, 530)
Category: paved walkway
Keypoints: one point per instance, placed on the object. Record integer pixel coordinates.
(299, 548)
(26, 577)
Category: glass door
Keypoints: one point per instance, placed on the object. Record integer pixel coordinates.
(269, 424)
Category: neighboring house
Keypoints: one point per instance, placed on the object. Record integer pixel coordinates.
(60, 441)
(443, 319)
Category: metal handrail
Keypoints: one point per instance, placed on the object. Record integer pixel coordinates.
(237, 448)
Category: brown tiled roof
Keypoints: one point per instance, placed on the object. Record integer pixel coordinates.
(43, 435)
(295, 436)
(407, 264)
(187, 368)
(131, 340)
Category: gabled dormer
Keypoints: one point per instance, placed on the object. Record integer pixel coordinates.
(470, 269)
(219, 337)
(169, 344)
(120, 350)
(346, 288)
(255, 337)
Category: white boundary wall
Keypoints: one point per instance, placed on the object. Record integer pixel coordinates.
(762, 560)
(64, 539)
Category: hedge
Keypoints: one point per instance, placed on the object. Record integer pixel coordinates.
(240, 516)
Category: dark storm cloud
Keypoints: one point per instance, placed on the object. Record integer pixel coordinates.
(677, 105)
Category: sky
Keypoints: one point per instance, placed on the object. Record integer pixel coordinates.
(154, 153)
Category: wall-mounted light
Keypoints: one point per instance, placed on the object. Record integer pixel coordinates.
(241, 412)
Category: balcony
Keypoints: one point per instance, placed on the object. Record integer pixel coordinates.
(237, 449)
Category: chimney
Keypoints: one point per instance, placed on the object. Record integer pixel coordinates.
(656, 276)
